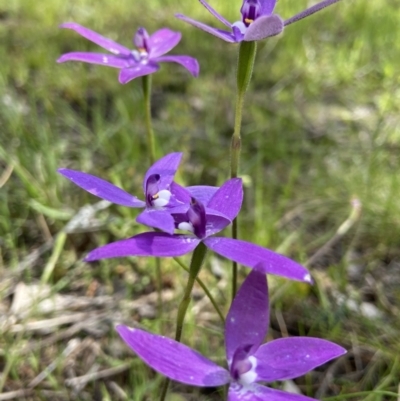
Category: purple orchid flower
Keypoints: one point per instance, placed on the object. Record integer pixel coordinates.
(249, 361)
(150, 50)
(203, 221)
(160, 192)
(258, 20)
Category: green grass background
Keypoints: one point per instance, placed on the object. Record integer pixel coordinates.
(321, 126)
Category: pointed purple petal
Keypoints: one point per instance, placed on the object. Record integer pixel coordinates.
(139, 70)
(219, 33)
(267, 6)
(95, 58)
(287, 358)
(202, 193)
(310, 11)
(248, 318)
(159, 219)
(215, 222)
(162, 41)
(215, 14)
(264, 27)
(256, 392)
(255, 256)
(228, 198)
(180, 194)
(101, 188)
(146, 244)
(188, 62)
(174, 360)
(100, 40)
(165, 167)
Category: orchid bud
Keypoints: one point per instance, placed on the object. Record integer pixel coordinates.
(197, 216)
(251, 10)
(141, 40)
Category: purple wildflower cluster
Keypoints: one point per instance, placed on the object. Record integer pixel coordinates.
(200, 210)
(182, 219)
(204, 211)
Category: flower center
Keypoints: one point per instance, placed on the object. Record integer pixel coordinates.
(141, 41)
(154, 197)
(251, 10)
(194, 220)
(243, 365)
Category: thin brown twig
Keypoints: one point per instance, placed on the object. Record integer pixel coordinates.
(117, 390)
(78, 387)
(49, 323)
(61, 335)
(6, 174)
(71, 347)
(102, 374)
(15, 395)
(281, 323)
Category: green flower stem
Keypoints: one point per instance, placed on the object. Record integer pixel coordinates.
(197, 260)
(246, 57)
(205, 289)
(234, 264)
(146, 82)
(236, 141)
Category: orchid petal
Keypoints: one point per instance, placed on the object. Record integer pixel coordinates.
(162, 41)
(219, 33)
(215, 222)
(215, 14)
(228, 198)
(203, 193)
(264, 27)
(248, 317)
(255, 256)
(146, 244)
(180, 194)
(95, 58)
(166, 168)
(188, 62)
(256, 392)
(309, 11)
(101, 188)
(138, 70)
(287, 358)
(267, 6)
(100, 40)
(179, 210)
(237, 32)
(158, 219)
(173, 359)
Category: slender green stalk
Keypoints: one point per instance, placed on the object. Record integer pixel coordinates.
(247, 54)
(146, 83)
(197, 260)
(55, 256)
(205, 289)
(236, 141)
(151, 147)
(234, 264)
